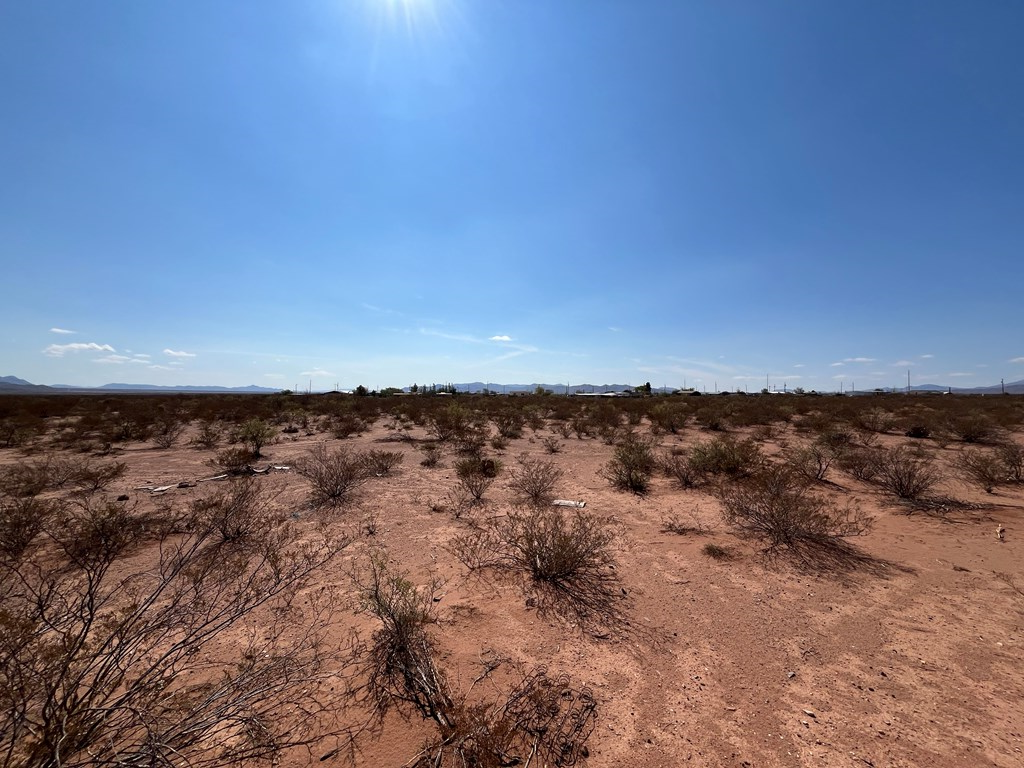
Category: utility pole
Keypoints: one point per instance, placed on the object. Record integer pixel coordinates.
(1002, 386)
(908, 381)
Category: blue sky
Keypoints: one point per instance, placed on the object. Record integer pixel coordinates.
(387, 192)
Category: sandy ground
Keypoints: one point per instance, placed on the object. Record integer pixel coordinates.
(910, 656)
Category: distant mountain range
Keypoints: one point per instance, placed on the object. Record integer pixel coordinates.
(14, 385)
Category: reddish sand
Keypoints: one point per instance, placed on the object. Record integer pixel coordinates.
(910, 656)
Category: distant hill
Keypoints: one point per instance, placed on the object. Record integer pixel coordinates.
(1011, 388)
(14, 385)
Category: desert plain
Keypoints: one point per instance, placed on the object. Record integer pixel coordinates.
(699, 643)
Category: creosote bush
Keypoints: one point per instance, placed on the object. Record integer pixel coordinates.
(233, 460)
(333, 475)
(380, 463)
(632, 464)
(812, 461)
(906, 473)
(1012, 456)
(982, 468)
(778, 506)
(533, 481)
(726, 456)
(431, 456)
(111, 659)
(256, 433)
(676, 464)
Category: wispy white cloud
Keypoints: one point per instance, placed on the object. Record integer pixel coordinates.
(614, 329)
(836, 365)
(61, 330)
(959, 374)
(799, 365)
(174, 353)
(1017, 360)
(465, 337)
(59, 350)
(859, 359)
(142, 355)
(114, 359)
(319, 373)
(160, 368)
(500, 338)
(902, 363)
(926, 357)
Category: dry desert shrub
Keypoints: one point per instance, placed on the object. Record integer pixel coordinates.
(726, 456)
(110, 658)
(777, 506)
(982, 468)
(906, 473)
(551, 444)
(256, 433)
(476, 475)
(431, 455)
(539, 717)
(401, 667)
(632, 464)
(380, 463)
(859, 462)
(669, 417)
(209, 435)
(22, 519)
(52, 472)
(510, 424)
(333, 475)
(972, 427)
(1012, 456)
(533, 481)
(568, 558)
(812, 461)
(233, 460)
(676, 464)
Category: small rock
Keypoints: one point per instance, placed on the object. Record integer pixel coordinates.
(791, 675)
(810, 714)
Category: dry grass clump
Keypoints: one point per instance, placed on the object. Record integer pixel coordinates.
(539, 717)
(567, 557)
(717, 552)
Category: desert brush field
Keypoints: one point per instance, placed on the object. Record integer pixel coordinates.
(772, 580)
